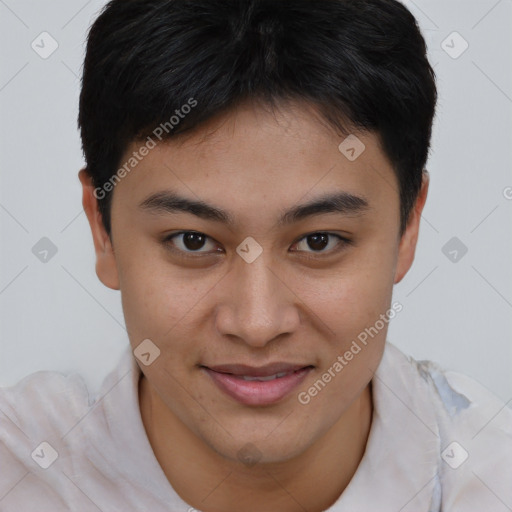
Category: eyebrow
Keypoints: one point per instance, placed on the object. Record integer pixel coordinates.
(340, 202)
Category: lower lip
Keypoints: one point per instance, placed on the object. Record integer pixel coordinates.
(254, 392)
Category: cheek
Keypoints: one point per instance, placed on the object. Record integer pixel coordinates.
(154, 303)
(161, 301)
(350, 298)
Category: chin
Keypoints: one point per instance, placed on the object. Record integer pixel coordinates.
(260, 448)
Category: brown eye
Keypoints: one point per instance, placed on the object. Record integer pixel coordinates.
(193, 241)
(319, 241)
(190, 242)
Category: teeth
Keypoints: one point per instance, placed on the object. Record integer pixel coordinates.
(264, 379)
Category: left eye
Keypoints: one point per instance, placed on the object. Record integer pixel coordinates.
(319, 241)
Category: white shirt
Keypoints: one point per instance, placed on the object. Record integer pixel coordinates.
(439, 441)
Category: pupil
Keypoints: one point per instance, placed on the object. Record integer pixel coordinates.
(318, 241)
(193, 241)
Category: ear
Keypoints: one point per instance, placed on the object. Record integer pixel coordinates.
(106, 267)
(407, 246)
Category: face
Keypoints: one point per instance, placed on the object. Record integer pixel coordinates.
(255, 280)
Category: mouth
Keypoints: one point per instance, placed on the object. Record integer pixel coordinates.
(258, 386)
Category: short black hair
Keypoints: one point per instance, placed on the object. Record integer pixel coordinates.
(361, 63)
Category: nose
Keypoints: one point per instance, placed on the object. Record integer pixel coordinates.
(257, 305)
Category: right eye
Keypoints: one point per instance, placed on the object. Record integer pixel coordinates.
(188, 242)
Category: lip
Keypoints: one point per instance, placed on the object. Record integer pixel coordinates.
(229, 379)
(252, 371)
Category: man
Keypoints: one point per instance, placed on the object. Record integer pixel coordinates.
(254, 184)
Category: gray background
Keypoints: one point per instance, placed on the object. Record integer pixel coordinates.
(57, 315)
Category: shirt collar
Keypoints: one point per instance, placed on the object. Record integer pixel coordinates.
(398, 471)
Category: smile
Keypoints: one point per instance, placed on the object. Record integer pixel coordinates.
(251, 386)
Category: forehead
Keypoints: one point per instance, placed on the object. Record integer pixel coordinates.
(252, 158)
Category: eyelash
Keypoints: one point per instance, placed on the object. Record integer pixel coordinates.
(343, 242)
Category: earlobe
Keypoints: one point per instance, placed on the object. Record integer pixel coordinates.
(106, 266)
(407, 247)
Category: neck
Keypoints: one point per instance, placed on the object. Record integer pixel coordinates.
(209, 482)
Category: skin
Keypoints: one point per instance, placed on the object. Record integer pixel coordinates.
(219, 309)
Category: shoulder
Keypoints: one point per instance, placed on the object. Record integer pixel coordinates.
(461, 402)
(42, 405)
(35, 415)
(41, 400)
(475, 433)
(454, 395)
(55, 436)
